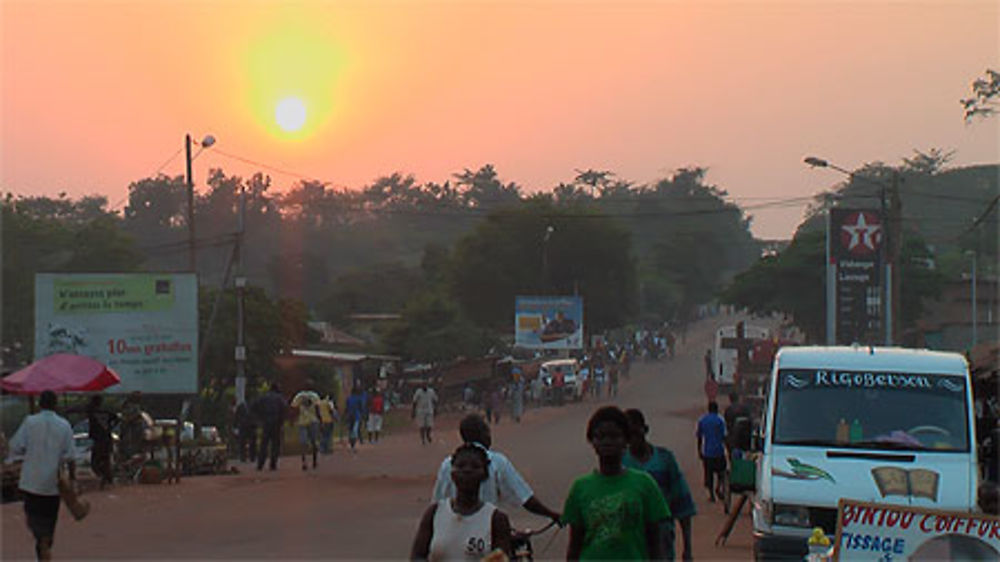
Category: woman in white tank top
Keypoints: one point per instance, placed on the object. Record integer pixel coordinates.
(463, 528)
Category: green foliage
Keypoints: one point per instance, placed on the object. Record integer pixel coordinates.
(985, 91)
(272, 327)
(792, 282)
(53, 235)
(690, 240)
(918, 281)
(376, 288)
(433, 329)
(510, 255)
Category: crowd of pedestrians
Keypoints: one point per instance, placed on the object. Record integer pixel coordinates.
(626, 509)
(636, 504)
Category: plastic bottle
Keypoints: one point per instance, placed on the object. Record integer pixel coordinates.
(856, 433)
(842, 431)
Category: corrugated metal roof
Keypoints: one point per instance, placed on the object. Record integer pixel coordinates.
(340, 356)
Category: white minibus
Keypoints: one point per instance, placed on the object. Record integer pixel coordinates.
(887, 425)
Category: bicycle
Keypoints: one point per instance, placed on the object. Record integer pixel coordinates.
(521, 542)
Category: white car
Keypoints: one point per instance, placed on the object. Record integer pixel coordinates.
(570, 371)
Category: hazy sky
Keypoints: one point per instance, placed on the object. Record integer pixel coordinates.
(97, 94)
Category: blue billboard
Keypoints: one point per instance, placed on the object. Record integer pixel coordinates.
(548, 322)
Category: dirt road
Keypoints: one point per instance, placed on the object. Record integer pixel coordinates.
(367, 505)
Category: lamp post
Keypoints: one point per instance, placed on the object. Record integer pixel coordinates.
(890, 248)
(545, 257)
(206, 142)
(975, 315)
(831, 294)
(241, 283)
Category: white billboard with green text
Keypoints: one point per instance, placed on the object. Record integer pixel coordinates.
(142, 325)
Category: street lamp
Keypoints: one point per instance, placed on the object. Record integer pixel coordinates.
(545, 257)
(890, 246)
(206, 142)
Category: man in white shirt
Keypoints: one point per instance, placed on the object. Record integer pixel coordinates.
(503, 485)
(46, 440)
(424, 402)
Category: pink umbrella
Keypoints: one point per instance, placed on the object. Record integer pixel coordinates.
(62, 372)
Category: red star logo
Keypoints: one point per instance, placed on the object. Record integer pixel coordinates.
(861, 233)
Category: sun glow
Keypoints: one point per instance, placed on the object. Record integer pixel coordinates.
(290, 114)
(293, 79)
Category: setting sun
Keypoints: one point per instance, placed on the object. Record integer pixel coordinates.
(290, 114)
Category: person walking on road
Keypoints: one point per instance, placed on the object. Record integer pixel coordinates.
(355, 412)
(494, 405)
(99, 424)
(463, 527)
(131, 427)
(661, 464)
(270, 409)
(517, 398)
(246, 429)
(424, 405)
(327, 417)
(738, 426)
(504, 484)
(614, 513)
(613, 382)
(375, 413)
(46, 441)
(711, 435)
(306, 404)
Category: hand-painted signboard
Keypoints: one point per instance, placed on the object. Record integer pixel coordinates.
(883, 532)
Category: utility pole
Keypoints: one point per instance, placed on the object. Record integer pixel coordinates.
(241, 281)
(975, 311)
(192, 262)
(831, 285)
(895, 220)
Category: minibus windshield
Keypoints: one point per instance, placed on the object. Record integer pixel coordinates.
(871, 410)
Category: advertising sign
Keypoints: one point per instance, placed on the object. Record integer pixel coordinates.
(142, 325)
(881, 532)
(548, 322)
(856, 240)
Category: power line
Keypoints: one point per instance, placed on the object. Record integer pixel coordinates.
(269, 167)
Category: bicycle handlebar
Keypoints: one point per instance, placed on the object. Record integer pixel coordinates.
(531, 533)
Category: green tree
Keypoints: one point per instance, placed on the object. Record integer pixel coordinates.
(792, 282)
(433, 329)
(985, 90)
(53, 235)
(510, 254)
(688, 234)
(377, 288)
(271, 327)
(484, 190)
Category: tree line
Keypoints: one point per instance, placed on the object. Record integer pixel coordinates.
(450, 256)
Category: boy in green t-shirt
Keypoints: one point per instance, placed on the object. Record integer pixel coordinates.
(614, 513)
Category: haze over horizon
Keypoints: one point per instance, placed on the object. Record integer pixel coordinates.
(96, 95)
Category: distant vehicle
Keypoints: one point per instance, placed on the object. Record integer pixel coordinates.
(874, 424)
(724, 357)
(570, 371)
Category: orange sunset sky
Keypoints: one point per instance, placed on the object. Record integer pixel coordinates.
(97, 94)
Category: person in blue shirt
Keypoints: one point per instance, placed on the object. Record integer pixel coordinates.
(712, 449)
(661, 464)
(355, 409)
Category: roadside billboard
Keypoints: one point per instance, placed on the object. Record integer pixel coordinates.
(883, 532)
(548, 322)
(142, 325)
